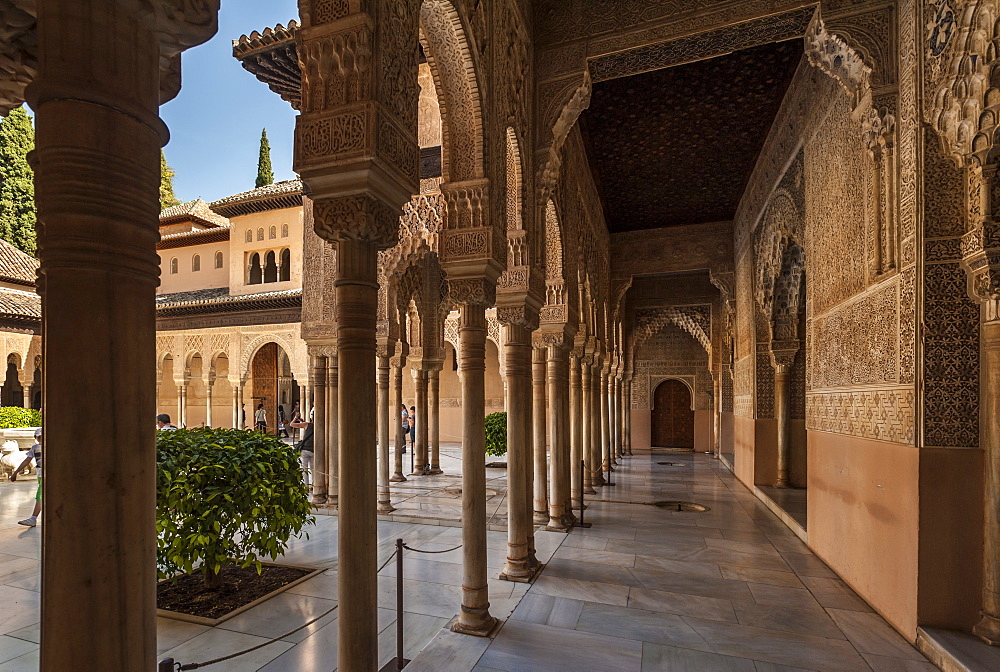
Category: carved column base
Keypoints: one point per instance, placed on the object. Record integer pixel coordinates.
(319, 500)
(434, 471)
(385, 508)
(397, 478)
(521, 571)
(988, 629)
(541, 517)
(475, 622)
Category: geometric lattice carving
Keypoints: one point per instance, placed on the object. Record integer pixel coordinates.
(885, 415)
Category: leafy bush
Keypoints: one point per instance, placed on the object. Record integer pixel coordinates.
(496, 434)
(15, 416)
(224, 496)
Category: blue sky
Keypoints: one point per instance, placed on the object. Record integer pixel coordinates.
(216, 119)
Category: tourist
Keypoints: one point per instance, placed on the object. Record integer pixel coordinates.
(282, 432)
(163, 422)
(34, 453)
(260, 419)
(305, 447)
(413, 427)
(406, 424)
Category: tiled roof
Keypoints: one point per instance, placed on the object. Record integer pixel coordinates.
(285, 194)
(16, 266)
(20, 305)
(220, 298)
(196, 209)
(200, 237)
(272, 57)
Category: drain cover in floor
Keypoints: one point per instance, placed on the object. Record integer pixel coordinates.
(677, 505)
(671, 464)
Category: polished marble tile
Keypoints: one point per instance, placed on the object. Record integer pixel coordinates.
(834, 593)
(451, 652)
(779, 595)
(28, 662)
(171, 633)
(639, 624)
(679, 566)
(889, 664)
(811, 620)
(529, 647)
(589, 555)
(11, 647)
(575, 589)
(870, 634)
(660, 658)
(281, 614)
(218, 642)
(768, 576)
(684, 605)
(704, 586)
(783, 648)
(559, 612)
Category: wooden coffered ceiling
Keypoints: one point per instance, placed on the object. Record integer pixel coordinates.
(677, 146)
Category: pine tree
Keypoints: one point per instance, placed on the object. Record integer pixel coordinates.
(265, 175)
(167, 198)
(17, 186)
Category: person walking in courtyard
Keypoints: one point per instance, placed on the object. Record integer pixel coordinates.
(282, 430)
(260, 419)
(305, 447)
(34, 453)
(413, 427)
(163, 422)
(405, 419)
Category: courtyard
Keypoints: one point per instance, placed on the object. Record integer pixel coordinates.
(644, 589)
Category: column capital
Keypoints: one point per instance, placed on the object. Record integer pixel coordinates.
(523, 315)
(472, 291)
(361, 217)
(783, 355)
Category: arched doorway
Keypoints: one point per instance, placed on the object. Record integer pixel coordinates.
(271, 383)
(673, 417)
(13, 392)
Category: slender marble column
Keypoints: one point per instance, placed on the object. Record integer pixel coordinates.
(988, 627)
(474, 617)
(575, 428)
(236, 405)
(628, 416)
(319, 430)
(717, 415)
(586, 426)
(356, 290)
(538, 413)
(616, 389)
(420, 467)
(517, 364)
(333, 431)
(558, 389)
(605, 434)
(782, 360)
(596, 453)
(433, 419)
(384, 416)
(611, 418)
(208, 404)
(182, 405)
(398, 364)
(96, 177)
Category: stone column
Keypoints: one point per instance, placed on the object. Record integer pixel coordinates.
(575, 428)
(586, 426)
(398, 364)
(420, 390)
(782, 359)
(474, 617)
(628, 416)
(208, 403)
(988, 627)
(333, 430)
(611, 417)
(596, 453)
(717, 415)
(356, 290)
(237, 387)
(384, 416)
(538, 415)
(517, 365)
(181, 404)
(616, 389)
(605, 427)
(96, 163)
(433, 419)
(557, 389)
(319, 430)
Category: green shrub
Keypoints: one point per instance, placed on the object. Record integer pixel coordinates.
(15, 416)
(224, 496)
(496, 434)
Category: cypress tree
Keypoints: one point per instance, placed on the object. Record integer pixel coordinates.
(17, 186)
(167, 198)
(265, 175)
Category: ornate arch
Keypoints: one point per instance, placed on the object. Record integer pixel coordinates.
(780, 228)
(689, 383)
(450, 58)
(253, 346)
(560, 110)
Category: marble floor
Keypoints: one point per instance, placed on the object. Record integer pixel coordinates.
(644, 589)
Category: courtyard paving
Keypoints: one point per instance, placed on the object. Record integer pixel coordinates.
(644, 589)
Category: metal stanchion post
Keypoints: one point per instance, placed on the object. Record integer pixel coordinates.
(398, 663)
(165, 665)
(609, 483)
(583, 465)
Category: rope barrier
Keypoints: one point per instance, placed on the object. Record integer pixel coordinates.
(417, 550)
(215, 661)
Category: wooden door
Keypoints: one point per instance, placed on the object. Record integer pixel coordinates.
(673, 419)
